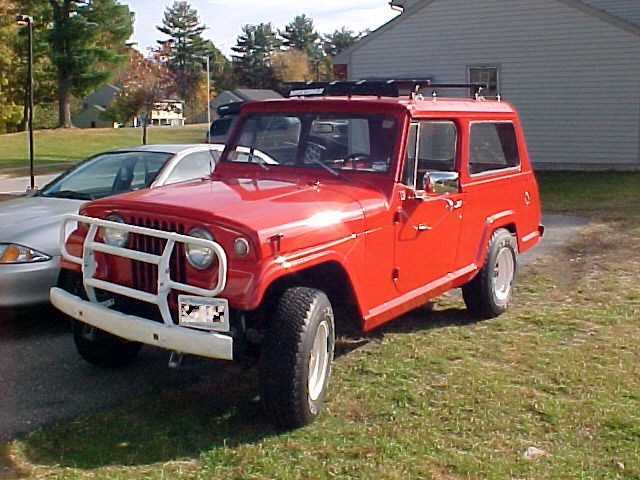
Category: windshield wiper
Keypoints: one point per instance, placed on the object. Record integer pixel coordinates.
(253, 158)
(334, 172)
(70, 194)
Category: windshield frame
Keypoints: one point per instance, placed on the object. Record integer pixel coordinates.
(336, 130)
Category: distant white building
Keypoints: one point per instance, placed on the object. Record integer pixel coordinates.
(168, 113)
(571, 67)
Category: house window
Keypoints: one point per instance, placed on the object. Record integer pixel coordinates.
(486, 75)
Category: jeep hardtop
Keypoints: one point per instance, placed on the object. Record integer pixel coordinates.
(346, 202)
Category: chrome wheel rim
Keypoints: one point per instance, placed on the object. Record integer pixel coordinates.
(503, 274)
(319, 361)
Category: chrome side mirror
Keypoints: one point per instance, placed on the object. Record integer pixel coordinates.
(441, 182)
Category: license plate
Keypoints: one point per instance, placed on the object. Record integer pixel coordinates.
(204, 313)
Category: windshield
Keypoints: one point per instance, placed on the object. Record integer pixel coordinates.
(107, 174)
(320, 140)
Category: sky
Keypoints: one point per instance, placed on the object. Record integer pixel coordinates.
(224, 18)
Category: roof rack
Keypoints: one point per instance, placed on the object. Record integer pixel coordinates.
(378, 88)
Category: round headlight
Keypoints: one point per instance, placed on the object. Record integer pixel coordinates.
(115, 236)
(241, 247)
(200, 257)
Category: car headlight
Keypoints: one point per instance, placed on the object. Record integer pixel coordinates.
(200, 257)
(12, 253)
(115, 236)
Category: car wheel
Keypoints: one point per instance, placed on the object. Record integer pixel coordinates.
(489, 293)
(296, 356)
(103, 349)
(94, 345)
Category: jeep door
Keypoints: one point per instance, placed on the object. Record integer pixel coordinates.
(428, 217)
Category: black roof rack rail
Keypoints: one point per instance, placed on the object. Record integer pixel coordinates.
(379, 88)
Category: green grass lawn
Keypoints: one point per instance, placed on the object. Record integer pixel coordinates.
(71, 145)
(550, 390)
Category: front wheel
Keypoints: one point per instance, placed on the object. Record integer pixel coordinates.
(103, 349)
(488, 294)
(96, 346)
(296, 355)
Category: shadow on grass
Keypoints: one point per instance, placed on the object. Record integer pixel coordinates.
(214, 406)
(419, 319)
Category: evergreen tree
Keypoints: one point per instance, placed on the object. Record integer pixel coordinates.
(186, 47)
(254, 48)
(86, 38)
(301, 35)
(335, 42)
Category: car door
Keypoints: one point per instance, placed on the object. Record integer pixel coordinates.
(428, 218)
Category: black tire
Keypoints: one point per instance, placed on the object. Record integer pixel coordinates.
(94, 345)
(296, 356)
(489, 293)
(103, 349)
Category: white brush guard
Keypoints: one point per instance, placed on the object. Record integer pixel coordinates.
(167, 335)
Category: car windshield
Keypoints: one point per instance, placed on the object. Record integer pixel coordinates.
(107, 174)
(333, 141)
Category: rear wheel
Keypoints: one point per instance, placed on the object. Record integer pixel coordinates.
(489, 293)
(296, 356)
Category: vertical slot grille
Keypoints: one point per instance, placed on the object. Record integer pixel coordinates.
(144, 276)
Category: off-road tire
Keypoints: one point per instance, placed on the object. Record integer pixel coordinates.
(103, 349)
(94, 345)
(489, 293)
(296, 356)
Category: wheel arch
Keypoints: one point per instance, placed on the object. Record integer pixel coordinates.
(331, 278)
(506, 220)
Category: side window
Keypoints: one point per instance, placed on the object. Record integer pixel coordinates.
(194, 165)
(409, 167)
(431, 146)
(492, 146)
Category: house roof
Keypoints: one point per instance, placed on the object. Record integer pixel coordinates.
(246, 94)
(624, 14)
(628, 10)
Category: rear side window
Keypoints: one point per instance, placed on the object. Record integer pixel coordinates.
(493, 146)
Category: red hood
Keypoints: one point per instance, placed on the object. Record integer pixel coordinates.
(302, 214)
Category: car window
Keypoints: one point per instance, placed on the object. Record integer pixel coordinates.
(194, 165)
(493, 146)
(363, 142)
(431, 146)
(108, 174)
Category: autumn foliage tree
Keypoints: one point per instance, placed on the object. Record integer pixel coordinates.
(10, 113)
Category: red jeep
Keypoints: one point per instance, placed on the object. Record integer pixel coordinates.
(346, 201)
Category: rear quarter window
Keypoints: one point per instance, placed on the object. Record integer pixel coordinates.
(492, 146)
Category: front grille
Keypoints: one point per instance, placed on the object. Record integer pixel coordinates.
(144, 276)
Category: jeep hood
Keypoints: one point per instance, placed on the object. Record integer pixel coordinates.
(300, 214)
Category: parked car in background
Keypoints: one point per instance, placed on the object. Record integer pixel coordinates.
(221, 126)
(29, 238)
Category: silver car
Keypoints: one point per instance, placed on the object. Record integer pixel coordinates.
(29, 226)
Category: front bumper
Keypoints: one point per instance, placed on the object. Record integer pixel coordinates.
(138, 329)
(27, 284)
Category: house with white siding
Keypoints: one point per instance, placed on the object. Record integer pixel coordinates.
(571, 68)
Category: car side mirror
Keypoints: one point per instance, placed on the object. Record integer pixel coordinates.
(437, 183)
